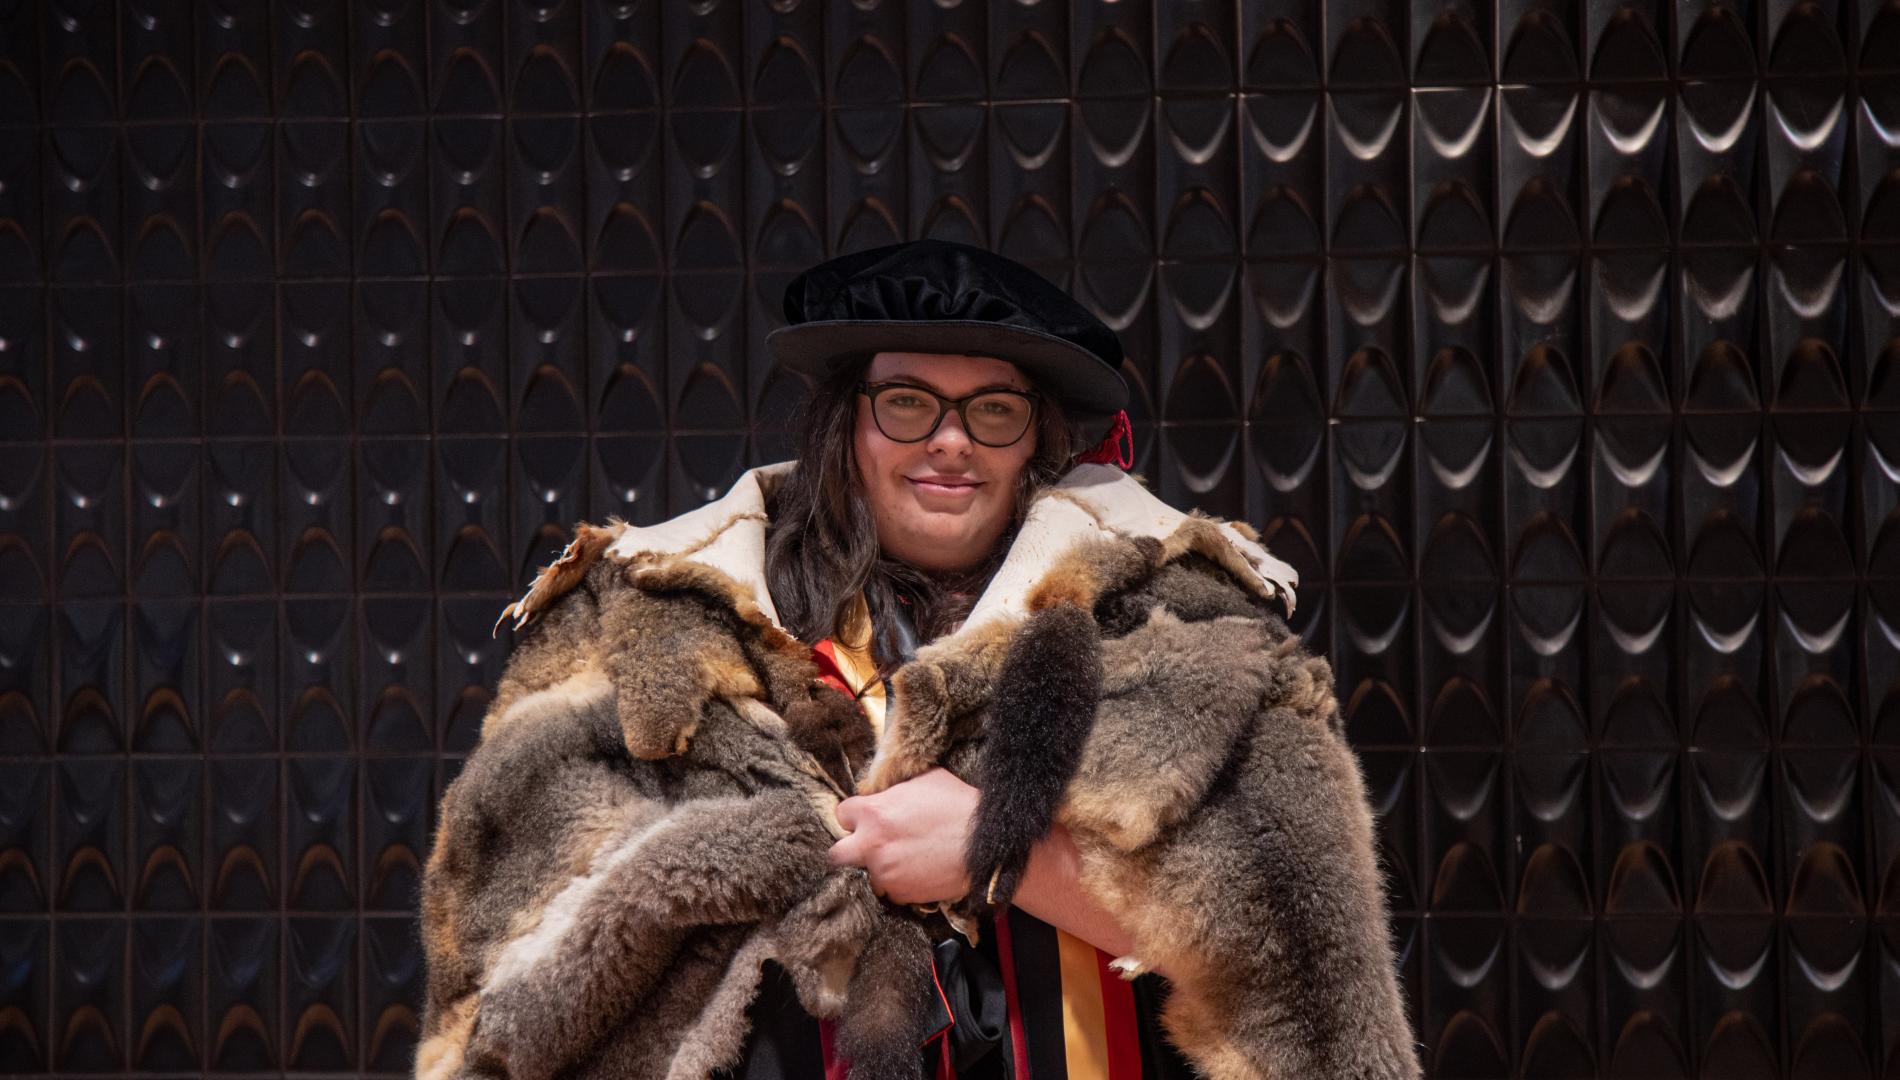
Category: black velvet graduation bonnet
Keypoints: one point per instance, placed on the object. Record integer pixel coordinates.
(935, 296)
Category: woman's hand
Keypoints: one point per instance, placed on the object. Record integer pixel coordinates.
(910, 837)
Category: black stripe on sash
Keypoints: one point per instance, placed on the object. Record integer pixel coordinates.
(1039, 990)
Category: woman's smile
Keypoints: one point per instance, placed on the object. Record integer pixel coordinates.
(959, 489)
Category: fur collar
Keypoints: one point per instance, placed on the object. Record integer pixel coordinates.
(1090, 502)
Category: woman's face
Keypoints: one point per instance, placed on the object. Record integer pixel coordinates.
(943, 503)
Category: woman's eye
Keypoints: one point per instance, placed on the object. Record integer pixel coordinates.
(904, 401)
(997, 407)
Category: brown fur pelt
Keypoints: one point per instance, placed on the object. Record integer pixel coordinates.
(1219, 813)
(643, 825)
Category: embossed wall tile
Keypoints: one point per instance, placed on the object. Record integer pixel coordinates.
(81, 182)
(237, 188)
(469, 661)
(90, 653)
(319, 667)
(24, 1039)
(397, 825)
(470, 363)
(552, 470)
(543, 57)
(865, 61)
(89, 836)
(391, 519)
(1368, 201)
(946, 49)
(20, 69)
(392, 984)
(89, 980)
(544, 186)
(313, 211)
(242, 992)
(320, 994)
(1467, 995)
(1366, 42)
(620, 65)
(243, 857)
(86, 329)
(161, 200)
(80, 63)
(164, 528)
(234, 60)
(167, 838)
(471, 525)
(466, 205)
(26, 873)
(241, 679)
(1555, 999)
(391, 184)
(709, 443)
(315, 512)
(167, 976)
(388, 72)
(167, 660)
(1645, 974)
(240, 360)
(1453, 161)
(311, 59)
(626, 369)
(26, 520)
(949, 165)
(465, 56)
(544, 356)
(1624, 42)
(1028, 50)
(165, 368)
(398, 703)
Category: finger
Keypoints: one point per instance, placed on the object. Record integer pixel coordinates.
(846, 852)
(847, 813)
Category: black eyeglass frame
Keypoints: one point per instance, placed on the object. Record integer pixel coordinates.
(944, 405)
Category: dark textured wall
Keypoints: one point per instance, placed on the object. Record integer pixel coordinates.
(1557, 344)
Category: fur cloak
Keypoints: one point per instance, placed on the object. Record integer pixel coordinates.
(645, 820)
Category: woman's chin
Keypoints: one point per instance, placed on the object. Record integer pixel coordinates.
(943, 547)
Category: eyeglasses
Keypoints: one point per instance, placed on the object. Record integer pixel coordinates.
(906, 413)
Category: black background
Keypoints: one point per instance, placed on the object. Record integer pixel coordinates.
(1557, 345)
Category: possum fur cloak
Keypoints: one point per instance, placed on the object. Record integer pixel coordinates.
(645, 819)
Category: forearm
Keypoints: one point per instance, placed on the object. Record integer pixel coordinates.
(1051, 890)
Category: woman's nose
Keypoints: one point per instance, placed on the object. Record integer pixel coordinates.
(950, 436)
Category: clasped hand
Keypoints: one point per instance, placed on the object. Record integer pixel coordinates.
(910, 837)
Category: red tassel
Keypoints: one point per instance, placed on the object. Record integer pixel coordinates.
(1110, 451)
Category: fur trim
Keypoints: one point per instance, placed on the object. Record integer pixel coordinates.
(1049, 688)
(555, 579)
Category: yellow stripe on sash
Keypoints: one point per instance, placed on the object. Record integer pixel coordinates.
(1084, 1024)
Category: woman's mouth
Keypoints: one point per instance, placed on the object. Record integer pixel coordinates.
(946, 485)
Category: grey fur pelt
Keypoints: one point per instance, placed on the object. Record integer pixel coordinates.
(1219, 813)
(643, 824)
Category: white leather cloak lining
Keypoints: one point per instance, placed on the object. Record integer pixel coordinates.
(1090, 501)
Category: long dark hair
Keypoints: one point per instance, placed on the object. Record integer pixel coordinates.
(821, 549)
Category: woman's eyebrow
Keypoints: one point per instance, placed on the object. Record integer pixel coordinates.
(917, 380)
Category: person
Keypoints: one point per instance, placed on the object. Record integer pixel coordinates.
(963, 409)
